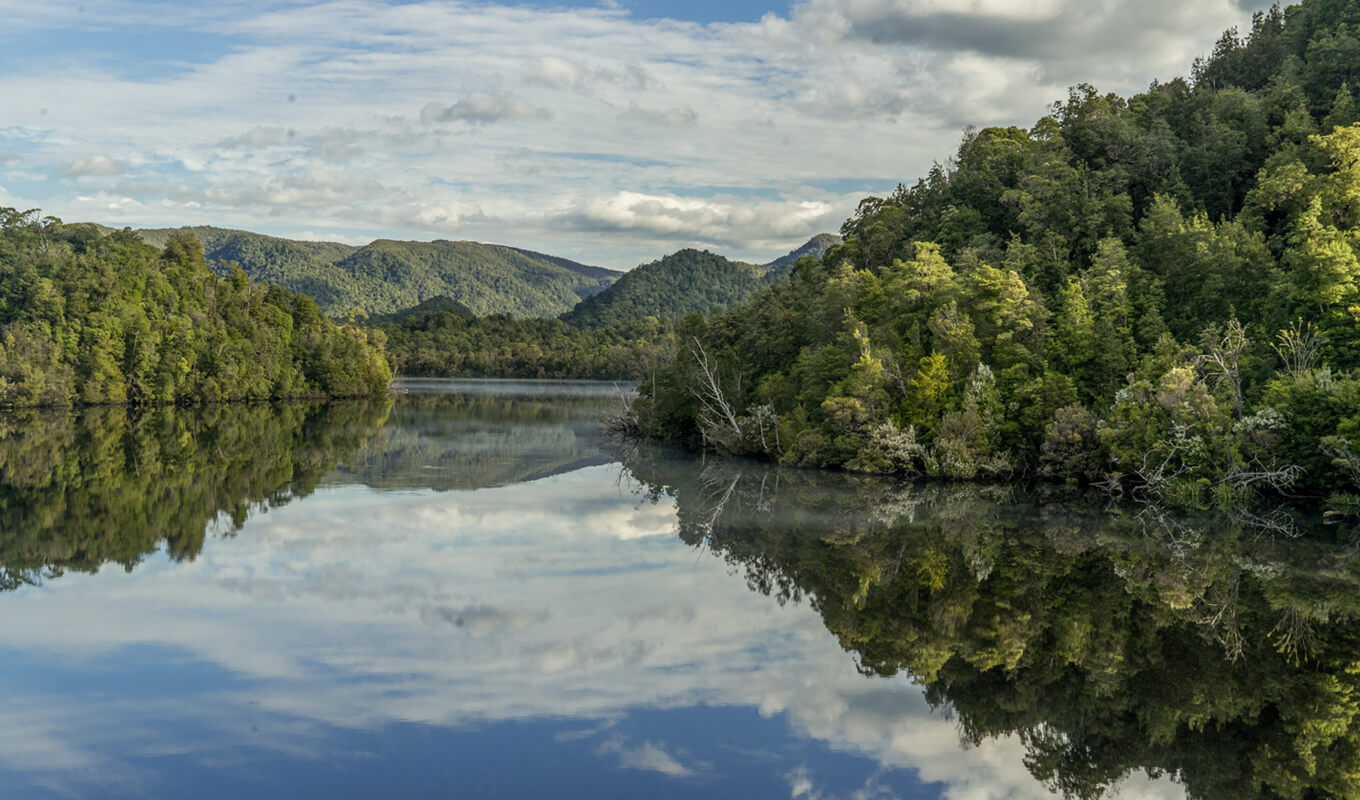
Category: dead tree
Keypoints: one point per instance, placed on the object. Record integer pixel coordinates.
(717, 418)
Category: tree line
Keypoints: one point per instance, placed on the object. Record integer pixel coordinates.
(1159, 294)
(90, 317)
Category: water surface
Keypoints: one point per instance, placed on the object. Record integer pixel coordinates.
(470, 592)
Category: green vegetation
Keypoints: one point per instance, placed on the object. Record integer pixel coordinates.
(388, 276)
(1160, 294)
(815, 247)
(453, 343)
(88, 317)
(104, 485)
(690, 280)
(623, 332)
(1208, 650)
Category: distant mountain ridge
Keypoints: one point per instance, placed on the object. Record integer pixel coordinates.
(387, 276)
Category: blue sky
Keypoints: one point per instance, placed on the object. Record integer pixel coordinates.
(611, 133)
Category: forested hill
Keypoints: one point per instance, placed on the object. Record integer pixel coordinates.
(89, 317)
(621, 333)
(815, 247)
(442, 304)
(387, 276)
(1159, 294)
(684, 281)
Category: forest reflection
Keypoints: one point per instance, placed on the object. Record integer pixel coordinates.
(109, 485)
(1222, 652)
(485, 435)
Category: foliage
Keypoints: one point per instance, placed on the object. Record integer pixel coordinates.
(685, 281)
(451, 342)
(623, 332)
(88, 317)
(386, 276)
(1138, 277)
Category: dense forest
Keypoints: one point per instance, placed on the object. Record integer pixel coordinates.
(622, 332)
(446, 341)
(95, 317)
(688, 280)
(1205, 648)
(1159, 294)
(387, 276)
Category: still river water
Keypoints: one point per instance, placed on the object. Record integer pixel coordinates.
(469, 592)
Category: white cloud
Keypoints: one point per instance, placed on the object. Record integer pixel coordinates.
(667, 118)
(719, 220)
(451, 119)
(258, 137)
(483, 109)
(648, 757)
(94, 165)
(557, 72)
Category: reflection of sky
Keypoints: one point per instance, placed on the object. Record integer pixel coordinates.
(547, 638)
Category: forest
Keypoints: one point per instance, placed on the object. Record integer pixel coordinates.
(386, 276)
(624, 331)
(448, 342)
(94, 317)
(1159, 295)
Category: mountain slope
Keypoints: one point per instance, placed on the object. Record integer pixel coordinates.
(689, 280)
(685, 281)
(435, 305)
(387, 276)
(814, 248)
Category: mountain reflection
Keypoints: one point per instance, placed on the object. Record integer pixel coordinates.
(1220, 653)
(106, 485)
(1079, 648)
(452, 435)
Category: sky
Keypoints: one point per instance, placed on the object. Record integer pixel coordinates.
(608, 132)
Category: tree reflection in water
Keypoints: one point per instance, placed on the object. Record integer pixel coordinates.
(108, 485)
(1225, 652)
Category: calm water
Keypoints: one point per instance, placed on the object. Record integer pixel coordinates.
(468, 593)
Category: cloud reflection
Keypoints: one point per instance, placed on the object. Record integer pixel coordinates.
(354, 609)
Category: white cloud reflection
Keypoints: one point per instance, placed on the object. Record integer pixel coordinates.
(560, 599)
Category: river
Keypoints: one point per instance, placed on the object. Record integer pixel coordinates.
(469, 591)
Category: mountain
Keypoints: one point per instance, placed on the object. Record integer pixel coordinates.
(814, 248)
(435, 305)
(565, 263)
(685, 281)
(689, 280)
(387, 276)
